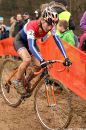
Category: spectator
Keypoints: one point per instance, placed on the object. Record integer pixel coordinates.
(12, 22)
(19, 24)
(83, 42)
(2, 22)
(83, 22)
(64, 14)
(43, 6)
(66, 34)
(37, 14)
(3, 31)
(83, 36)
(26, 17)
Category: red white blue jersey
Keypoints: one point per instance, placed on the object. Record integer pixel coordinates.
(33, 30)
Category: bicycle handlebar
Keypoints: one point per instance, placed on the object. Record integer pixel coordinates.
(53, 61)
(49, 62)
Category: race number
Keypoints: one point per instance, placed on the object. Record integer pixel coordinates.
(30, 34)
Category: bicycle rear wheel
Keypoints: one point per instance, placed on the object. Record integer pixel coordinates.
(53, 116)
(8, 73)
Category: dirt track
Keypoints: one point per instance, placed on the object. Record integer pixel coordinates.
(24, 118)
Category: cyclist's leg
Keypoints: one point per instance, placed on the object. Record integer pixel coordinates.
(34, 68)
(26, 59)
(22, 50)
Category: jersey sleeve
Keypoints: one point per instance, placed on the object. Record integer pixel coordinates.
(31, 42)
(60, 45)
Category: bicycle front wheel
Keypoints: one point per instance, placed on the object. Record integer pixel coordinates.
(8, 73)
(56, 115)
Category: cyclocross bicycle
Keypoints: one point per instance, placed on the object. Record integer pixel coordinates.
(52, 100)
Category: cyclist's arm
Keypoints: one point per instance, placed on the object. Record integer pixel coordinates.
(31, 44)
(59, 43)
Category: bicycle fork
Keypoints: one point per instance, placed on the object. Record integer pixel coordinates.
(51, 98)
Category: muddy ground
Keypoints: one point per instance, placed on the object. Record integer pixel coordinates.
(24, 118)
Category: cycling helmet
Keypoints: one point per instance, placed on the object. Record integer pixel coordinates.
(50, 16)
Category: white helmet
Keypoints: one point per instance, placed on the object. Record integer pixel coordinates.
(50, 15)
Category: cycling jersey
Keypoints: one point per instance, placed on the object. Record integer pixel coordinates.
(32, 31)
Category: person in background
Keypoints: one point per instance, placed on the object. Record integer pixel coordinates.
(3, 29)
(43, 7)
(26, 17)
(19, 24)
(37, 14)
(61, 7)
(12, 23)
(2, 22)
(83, 22)
(83, 42)
(66, 34)
(2, 32)
(83, 36)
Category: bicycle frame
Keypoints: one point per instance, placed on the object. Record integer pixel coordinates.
(43, 73)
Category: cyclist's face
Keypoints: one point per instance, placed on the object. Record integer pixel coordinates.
(46, 27)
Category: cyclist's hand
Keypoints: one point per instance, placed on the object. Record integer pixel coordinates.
(67, 62)
(43, 64)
